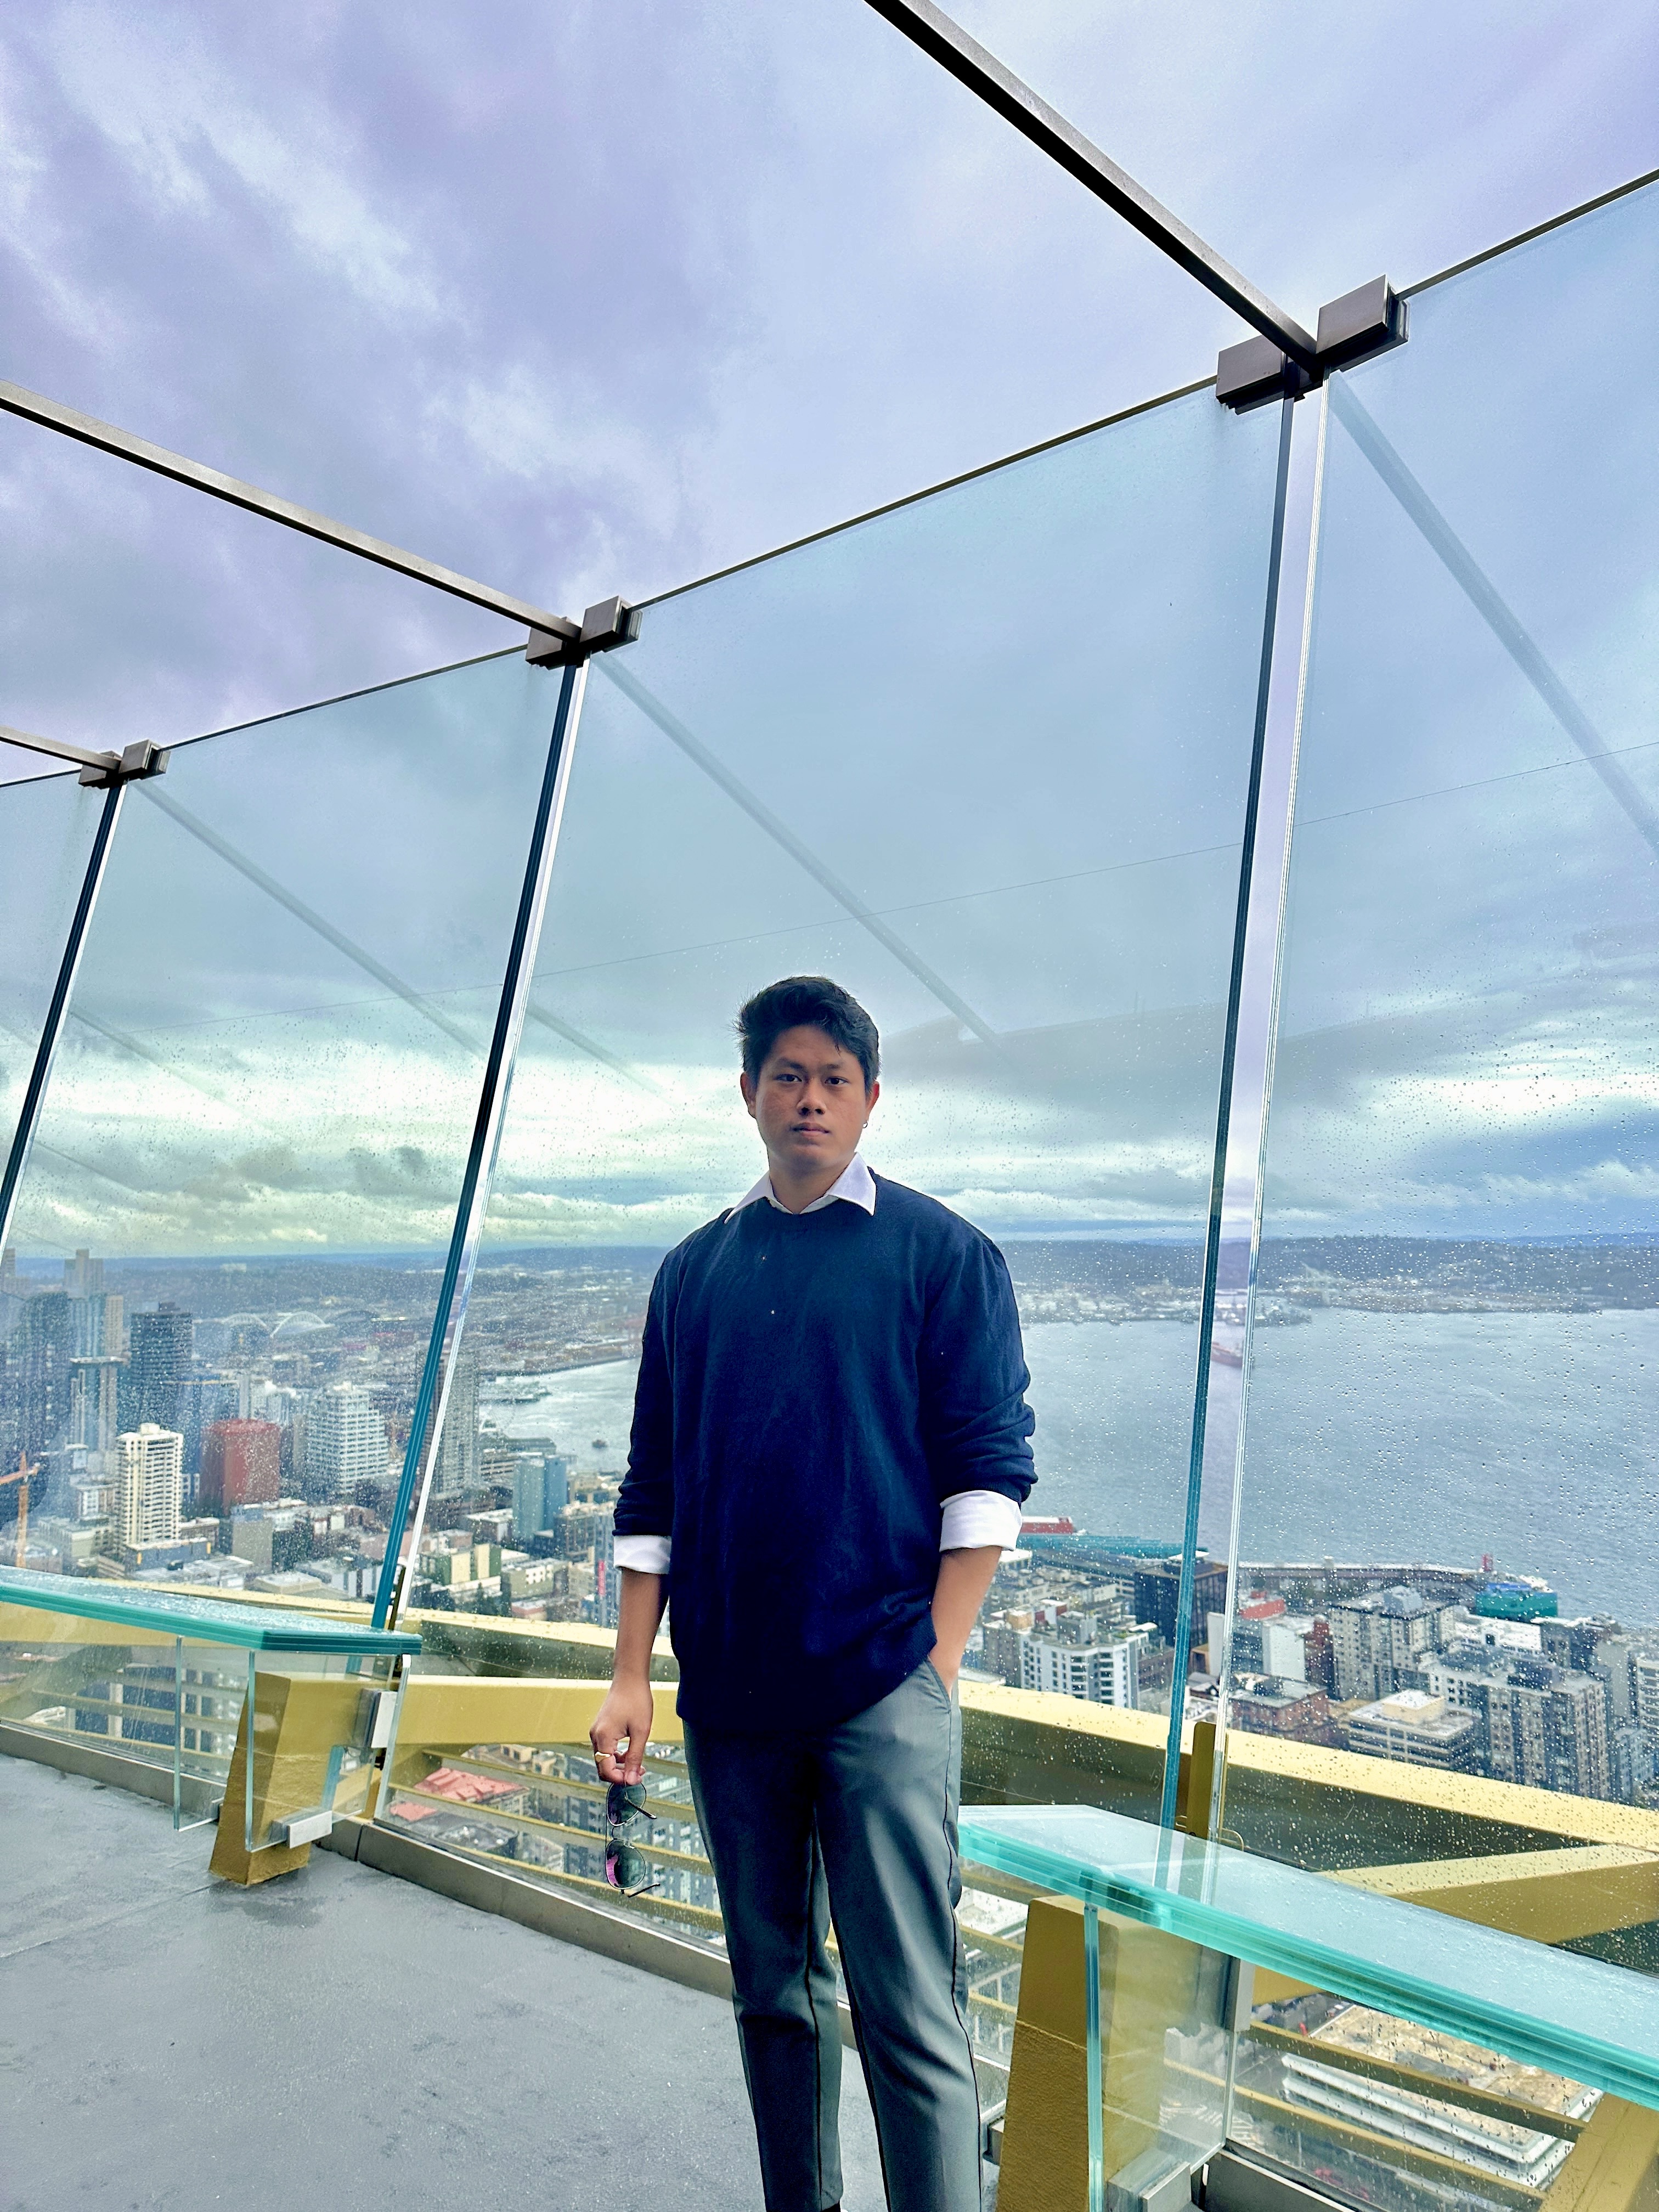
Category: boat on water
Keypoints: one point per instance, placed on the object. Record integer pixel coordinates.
(1228, 1355)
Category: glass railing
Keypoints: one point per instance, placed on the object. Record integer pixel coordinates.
(267, 1720)
(1447, 1515)
(985, 759)
(46, 828)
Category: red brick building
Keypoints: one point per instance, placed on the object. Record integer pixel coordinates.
(241, 1465)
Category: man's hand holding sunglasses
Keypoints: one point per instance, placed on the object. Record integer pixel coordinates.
(628, 1710)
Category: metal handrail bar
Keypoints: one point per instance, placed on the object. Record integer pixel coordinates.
(51, 414)
(946, 43)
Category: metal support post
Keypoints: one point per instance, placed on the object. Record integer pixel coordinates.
(1224, 1121)
(51, 1030)
(1263, 960)
(431, 1400)
(1094, 2086)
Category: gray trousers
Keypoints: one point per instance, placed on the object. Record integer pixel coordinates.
(856, 1823)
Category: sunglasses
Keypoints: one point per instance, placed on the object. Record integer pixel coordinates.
(626, 1815)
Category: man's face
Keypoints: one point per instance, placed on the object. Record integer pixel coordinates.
(810, 1102)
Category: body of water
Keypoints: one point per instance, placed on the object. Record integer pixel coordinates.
(1439, 1436)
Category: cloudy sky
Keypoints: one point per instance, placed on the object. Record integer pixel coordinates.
(584, 298)
(580, 300)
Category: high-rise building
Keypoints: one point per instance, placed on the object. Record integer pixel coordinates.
(541, 1491)
(1635, 1767)
(95, 1323)
(149, 1480)
(1578, 1754)
(1105, 1673)
(1383, 1641)
(38, 1374)
(1644, 1693)
(1157, 1596)
(158, 1362)
(94, 1411)
(241, 1465)
(199, 1401)
(345, 1441)
(83, 1276)
(458, 1448)
(1543, 1726)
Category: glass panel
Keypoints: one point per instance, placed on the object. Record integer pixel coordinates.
(1382, 2112)
(47, 827)
(248, 1162)
(984, 760)
(1448, 1514)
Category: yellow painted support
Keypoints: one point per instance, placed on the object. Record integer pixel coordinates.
(31, 1625)
(1148, 1985)
(1197, 1782)
(455, 1712)
(1552, 1897)
(1614, 2166)
(299, 1718)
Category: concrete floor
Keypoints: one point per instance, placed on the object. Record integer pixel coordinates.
(338, 2037)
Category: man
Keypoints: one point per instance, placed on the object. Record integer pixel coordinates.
(829, 1452)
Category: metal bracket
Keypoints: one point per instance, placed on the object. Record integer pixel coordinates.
(611, 623)
(302, 1828)
(134, 765)
(1370, 319)
(101, 770)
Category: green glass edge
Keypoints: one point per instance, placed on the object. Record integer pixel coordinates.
(1623, 2072)
(203, 1619)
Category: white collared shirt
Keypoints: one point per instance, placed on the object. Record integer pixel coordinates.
(969, 1518)
(854, 1184)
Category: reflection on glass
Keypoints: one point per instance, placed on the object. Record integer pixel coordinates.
(230, 1237)
(1386, 2113)
(1451, 1513)
(984, 760)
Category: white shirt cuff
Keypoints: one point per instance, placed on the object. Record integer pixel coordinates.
(976, 1517)
(647, 1555)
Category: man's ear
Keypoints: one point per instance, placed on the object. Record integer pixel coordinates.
(870, 1099)
(748, 1091)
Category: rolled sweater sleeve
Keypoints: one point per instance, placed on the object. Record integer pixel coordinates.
(974, 1378)
(645, 1505)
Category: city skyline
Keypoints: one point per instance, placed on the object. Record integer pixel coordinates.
(283, 1431)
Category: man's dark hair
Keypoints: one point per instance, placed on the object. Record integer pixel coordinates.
(807, 1002)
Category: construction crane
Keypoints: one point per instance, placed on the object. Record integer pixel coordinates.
(23, 1475)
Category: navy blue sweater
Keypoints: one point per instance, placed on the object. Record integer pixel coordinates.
(811, 1386)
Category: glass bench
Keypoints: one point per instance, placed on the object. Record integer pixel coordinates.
(167, 1679)
(1548, 2008)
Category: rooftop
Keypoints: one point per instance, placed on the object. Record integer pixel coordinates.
(174, 2039)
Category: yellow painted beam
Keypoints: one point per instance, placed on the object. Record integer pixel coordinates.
(457, 1710)
(32, 1626)
(1614, 2166)
(1513, 2110)
(1551, 1896)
